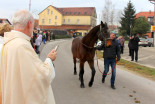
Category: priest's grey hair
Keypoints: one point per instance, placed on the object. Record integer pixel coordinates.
(21, 18)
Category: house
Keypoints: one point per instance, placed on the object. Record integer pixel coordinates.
(149, 16)
(72, 19)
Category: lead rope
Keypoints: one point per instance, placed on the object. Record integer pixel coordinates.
(103, 71)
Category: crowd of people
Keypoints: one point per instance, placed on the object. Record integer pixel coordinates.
(39, 37)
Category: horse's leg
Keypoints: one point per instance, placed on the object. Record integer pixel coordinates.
(81, 73)
(91, 64)
(75, 72)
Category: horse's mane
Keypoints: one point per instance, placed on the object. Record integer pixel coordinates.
(91, 33)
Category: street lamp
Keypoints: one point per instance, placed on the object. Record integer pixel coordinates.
(153, 2)
(30, 5)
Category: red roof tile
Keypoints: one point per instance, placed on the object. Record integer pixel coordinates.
(75, 10)
(145, 14)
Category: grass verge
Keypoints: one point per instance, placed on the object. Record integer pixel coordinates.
(140, 69)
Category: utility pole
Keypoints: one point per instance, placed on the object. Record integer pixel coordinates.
(30, 5)
(153, 2)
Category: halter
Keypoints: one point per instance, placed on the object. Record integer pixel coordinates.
(101, 34)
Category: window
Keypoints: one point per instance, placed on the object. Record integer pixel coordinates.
(51, 12)
(49, 21)
(48, 11)
(74, 13)
(55, 23)
(78, 13)
(85, 12)
(43, 21)
(150, 19)
(78, 21)
(55, 17)
(68, 20)
(64, 20)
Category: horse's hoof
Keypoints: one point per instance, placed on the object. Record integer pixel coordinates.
(90, 84)
(82, 86)
(75, 73)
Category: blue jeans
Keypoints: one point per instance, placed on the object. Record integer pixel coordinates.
(111, 62)
(44, 40)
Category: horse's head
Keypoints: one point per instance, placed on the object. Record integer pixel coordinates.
(104, 34)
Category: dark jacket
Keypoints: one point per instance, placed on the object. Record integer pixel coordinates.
(134, 43)
(112, 51)
(129, 44)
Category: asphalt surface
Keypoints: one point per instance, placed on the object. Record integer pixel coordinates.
(130, 88)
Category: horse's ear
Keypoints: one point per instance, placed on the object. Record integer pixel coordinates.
(101, 23)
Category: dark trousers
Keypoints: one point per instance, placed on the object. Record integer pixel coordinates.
(37, 49)
(130, 51)
(136, 54)
(122, 49)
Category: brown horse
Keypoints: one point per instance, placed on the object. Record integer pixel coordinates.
(83, 49)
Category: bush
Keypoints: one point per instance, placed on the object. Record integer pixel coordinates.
(61, 36)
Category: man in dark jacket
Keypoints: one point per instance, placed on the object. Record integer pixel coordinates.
(109, 56)
(134, 47)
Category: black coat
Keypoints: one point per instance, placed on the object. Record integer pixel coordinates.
(134, 43)
(112, 51)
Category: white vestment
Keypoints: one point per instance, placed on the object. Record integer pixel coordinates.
(25, 79)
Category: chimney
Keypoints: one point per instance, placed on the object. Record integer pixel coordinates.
(150, 11)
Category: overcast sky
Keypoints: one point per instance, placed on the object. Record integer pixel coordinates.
(8, 7)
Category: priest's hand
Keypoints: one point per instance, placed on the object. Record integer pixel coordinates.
(52, 55)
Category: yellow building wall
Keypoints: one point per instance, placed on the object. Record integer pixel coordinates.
(46, 16)
(83, 20)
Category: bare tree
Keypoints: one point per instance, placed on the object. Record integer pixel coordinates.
(106, 11)
(110, 15)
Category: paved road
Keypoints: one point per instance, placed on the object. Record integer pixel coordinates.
(146, 56)
(66, 86)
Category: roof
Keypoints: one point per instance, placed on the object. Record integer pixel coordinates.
(67, 27)
(145, 14)
(88, 11)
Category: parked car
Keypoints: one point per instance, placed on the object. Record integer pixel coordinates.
(145, 42)
(150, 40)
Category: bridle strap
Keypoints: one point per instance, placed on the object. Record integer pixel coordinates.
(87, 46)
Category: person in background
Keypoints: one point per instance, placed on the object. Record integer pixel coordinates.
(122, 41)
(38, 42)
(4, 27)
(49, 35)
(110, 54)
(28, 78)
(134, 47)
(44, 37)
